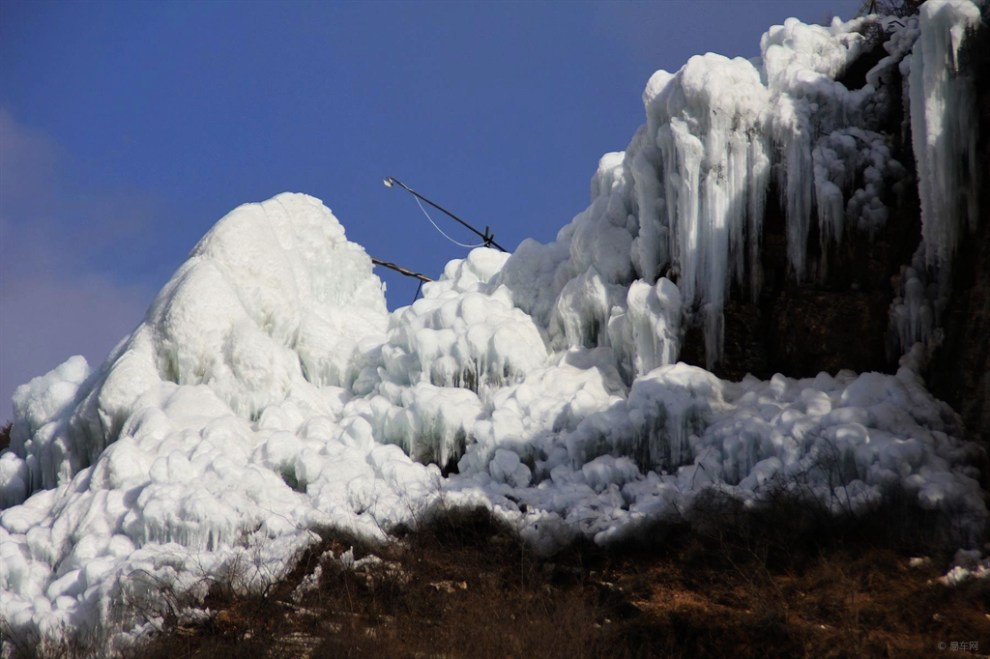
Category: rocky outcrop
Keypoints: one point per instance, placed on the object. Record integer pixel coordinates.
(842, 319)
(960, 370)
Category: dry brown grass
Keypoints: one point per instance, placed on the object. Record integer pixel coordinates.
(464, 586)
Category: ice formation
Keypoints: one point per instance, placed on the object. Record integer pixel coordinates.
(269, 392)
(944, 136)
(943, 127)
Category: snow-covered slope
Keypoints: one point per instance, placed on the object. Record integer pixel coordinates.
(269, 392)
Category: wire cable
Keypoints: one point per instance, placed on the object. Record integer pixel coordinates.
(441, 231)
(487, 236)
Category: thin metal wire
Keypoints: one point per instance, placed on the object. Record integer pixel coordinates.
(487, 236)
(441, 231)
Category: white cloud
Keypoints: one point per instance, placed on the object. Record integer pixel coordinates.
(56, 302)
(46, 319)
(27, 164)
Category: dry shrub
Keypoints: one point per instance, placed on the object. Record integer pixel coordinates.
(786, 579)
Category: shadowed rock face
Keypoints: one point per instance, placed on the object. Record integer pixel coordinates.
(960, 371)
(844, 321)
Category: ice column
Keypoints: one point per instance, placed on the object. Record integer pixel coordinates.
(943, 127)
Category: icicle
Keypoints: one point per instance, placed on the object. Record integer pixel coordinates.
(912, 311)
(759, 180)
(647, 334)
(712, 159)
(943, 127)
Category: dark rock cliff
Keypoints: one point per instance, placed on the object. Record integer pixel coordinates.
(842, 321)
(960, 369)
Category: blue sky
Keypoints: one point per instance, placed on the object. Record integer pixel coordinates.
(128, 128)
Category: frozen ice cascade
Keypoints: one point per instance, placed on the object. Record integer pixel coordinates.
(269, 391)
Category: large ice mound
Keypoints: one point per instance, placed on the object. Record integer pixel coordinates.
(269, 392)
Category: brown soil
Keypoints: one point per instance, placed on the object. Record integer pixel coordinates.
(464, 586)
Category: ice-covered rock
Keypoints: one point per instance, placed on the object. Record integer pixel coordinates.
(269, 392)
